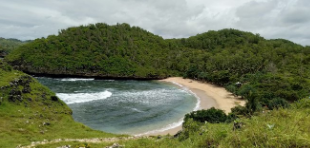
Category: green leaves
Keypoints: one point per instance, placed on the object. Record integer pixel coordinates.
(211, 115)
(115, 51)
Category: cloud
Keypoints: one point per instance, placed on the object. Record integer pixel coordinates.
(254, 9)
(287, 19)
(298, 14)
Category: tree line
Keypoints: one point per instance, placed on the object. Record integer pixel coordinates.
(8, 45)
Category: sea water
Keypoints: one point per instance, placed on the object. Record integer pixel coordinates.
(124, 106)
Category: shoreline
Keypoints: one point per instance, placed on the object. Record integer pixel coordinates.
(96, 76)
(208, 96)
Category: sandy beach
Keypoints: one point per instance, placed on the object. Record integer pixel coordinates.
(209, 96)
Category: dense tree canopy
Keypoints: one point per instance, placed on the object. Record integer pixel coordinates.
(269, 70)
(96, 50)
(8, 45)
(265, 69)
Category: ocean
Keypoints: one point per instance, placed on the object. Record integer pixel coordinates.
(124, 106)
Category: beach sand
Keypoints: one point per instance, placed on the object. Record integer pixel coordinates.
(209, 95)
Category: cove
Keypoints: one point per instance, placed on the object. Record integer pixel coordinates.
(123, 106)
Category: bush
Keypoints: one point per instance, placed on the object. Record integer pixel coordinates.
(276, 103)
(189, 127)
(302, 103)
(240, 110)
(211, 115)
(246, 90)
(289, 95)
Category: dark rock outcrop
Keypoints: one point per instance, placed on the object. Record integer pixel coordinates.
(15, 95)
(54, 98)
(26, 89)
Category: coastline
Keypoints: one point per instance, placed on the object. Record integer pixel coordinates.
(208, 96)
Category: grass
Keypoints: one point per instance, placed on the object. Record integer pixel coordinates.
(75, 145)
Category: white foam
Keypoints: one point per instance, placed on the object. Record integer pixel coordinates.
(73, 98)
(197, 106)
(175, 83)
(178, 123)
(168, 127)
(148, 97)
(137, 110)
(77, 79)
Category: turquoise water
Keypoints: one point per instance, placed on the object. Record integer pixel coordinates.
(123, 106)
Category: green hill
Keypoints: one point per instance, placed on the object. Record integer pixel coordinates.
(100, 50)
(268, 71)
(8, 45)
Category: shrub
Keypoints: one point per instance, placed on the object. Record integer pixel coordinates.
(211, 115)
(189, 127)
(276, 103)
(240, 110)
(302, 103)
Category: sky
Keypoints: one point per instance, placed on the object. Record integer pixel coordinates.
(287, 19)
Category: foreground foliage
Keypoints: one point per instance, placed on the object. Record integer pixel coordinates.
(211, 115)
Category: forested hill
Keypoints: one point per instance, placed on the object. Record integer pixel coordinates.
(267, 69)
(267, 72)
(8, 45)
(118, 51)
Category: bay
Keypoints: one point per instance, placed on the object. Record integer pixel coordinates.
(123, 106)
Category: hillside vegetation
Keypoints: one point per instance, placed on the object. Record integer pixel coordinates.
(96, 50)
(8, 45)
(267, 73)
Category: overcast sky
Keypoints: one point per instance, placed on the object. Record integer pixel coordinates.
(30, 19)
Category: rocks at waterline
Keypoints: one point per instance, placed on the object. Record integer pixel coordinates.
(65, 146)
(115, 145)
